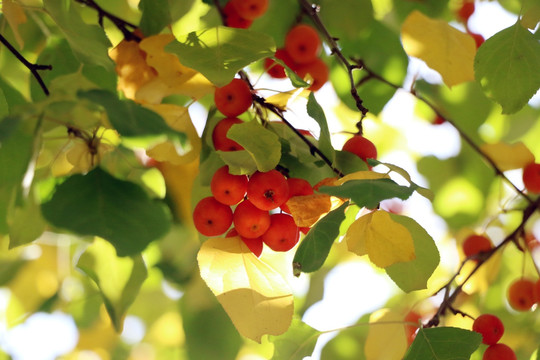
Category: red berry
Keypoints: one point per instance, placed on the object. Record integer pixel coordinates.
(303, 44)
(234, 98)
(249, 221)
(478, 39)
(521, 295)
(361, 147)
(466, 10)
(233, 18)
(282, 234)
(219, 135)
(439, 120)
(499, 352)
(228, 189)
(318, 70)
(490, 327)
(255, 244)
(475, 244)
(250, 9)
(276, 70)
(267, 190)
(297, 187)
(212, 218)
(410, 330)
(531, 177)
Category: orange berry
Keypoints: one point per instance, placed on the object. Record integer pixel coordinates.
(267, 190)
(410, 330)
(531, 177)
(276, 70)
(499, 352)
(219, 135)
(297, 187)
(478, 39)
(283, 234)
(303, 44)
(250, 9)
(255, 245)
(212, 218)
(227, 188)
(475, 244)
(234, 98)
(490, 327)
(466, 10)
(521, 295)
(318, 70)
(361, 147)
(250, 221)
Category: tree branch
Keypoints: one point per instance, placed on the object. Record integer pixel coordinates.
(32, 67)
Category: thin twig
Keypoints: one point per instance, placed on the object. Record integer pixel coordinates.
(32, 67)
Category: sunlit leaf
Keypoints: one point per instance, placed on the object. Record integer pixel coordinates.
(443, 47)
(218, 53)
(413, 275)
(308, 209)
(506, 66)
(256, 297)
(317, 113)
(315, 246)
(15, 16)
(22, 231)
(119, 211)
(262, 144)
(385, 328)
(531, 17)
(155, 16)
(118, 279)
(384, 240)
(428, 194)
(509, 156)
(297, 343)
(443, 343)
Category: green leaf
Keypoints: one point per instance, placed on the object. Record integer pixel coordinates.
(317, 113)
(315, 247)
(118, 211)
(297, 343)
(9, 269)
(155, 16)
(507, 67)
(345, 19)
(369, 193)
(4, 108)
(443, 343)
(22, 231)
(129, 118)
(413, 275)
(428, 194)
(118, 279)
(11, 96)
(220, 52)
(239, 162)
(262, 144)
(88, 42)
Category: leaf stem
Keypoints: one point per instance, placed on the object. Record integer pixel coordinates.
(32, 67)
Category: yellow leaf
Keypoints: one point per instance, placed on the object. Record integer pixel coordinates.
(306, 210)
(15, 16)
(177, 117)
(509, 156)
(443, 47)
(361, 175)
(385, 241)
(256, 297)
(386, 337)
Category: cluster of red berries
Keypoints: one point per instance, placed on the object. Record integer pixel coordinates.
(531, 177)
(463, 14)
(301, 54)
(254, 198)
(492, 329)
(241, 13)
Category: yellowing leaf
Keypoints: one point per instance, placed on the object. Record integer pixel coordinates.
(307, 209)
(15, 16)
(361, 175)
(256, 297)
(443, 47)
(386, 337)
(531, 17)
(509, 156)
(177, 117)
(385, 241)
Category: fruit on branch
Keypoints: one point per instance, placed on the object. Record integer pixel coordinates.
(234, 98)
(250, 221)
(490, 327)
(303, 44)
(267, 190)
(250, 9)
(318, 70)
(283, 234)
(276, 70)
(255, 245)
(475, 244)
(466, 10)
(410, 330)
(531, 177)
(212, 218)
(361, 147)
(227, 188)
(219, 135)
(499, 352)
(297, 187)
(233, 18)
(521, 294)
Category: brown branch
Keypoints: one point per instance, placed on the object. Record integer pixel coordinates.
(313, 12)
(32, 67)
(372, 75)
